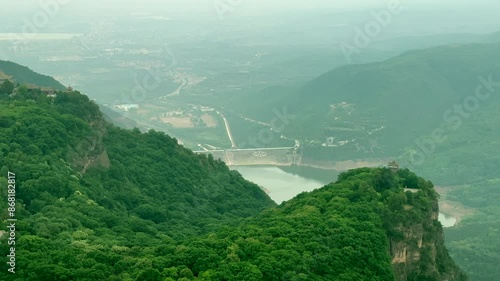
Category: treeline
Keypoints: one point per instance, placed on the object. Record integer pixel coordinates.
(152, 190)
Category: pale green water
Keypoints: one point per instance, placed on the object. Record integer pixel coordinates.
(284, 185)
(447, 220)
(287, 182)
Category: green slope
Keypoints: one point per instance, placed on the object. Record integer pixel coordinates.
(24, 75)
(85, 188)
(381, 108)
(95, 202)
(474, 243)
(416, 97)
(339, 232)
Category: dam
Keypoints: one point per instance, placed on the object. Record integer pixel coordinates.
(280, 156)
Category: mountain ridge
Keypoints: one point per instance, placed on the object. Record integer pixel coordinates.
(25, 75)
(96, 202)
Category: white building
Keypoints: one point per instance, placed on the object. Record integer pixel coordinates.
(127, 107)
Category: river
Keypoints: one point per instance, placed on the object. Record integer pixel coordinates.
(284, 183)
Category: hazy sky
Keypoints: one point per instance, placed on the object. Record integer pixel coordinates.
(247, 7)
(443, 12)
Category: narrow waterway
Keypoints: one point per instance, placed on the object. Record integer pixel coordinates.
(284, 183)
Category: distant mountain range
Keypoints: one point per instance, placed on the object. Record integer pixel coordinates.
(395, 108)
(414, 107)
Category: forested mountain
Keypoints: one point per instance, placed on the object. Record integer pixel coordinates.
(435, 110)
(434, 105)
(362, 227)
(84, 184)
(24, 75)
(96, 202)
(395, 101)
(259, 102)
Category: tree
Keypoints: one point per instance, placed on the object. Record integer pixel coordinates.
(149, 274)
(6, 88)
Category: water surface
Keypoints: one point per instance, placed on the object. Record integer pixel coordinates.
(284, 183)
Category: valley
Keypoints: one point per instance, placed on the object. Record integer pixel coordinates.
(175, 141)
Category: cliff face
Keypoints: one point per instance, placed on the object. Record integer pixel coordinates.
(417, 245)
(90, 151)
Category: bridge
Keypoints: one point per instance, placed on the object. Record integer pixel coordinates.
(281, 156)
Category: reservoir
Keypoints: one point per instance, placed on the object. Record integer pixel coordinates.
(447, 220)
(284, 183)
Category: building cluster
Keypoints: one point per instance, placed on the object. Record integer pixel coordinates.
(127, 107)
(49, 91)
(4, 77)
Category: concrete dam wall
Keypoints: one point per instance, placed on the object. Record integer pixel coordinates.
(285, 156)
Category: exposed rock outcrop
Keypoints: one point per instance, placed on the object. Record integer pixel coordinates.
(417, 248)
(90, 152)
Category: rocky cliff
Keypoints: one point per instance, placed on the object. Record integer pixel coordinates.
(416, 238)
(90, 151)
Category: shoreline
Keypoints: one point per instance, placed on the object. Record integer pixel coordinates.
(339, 166)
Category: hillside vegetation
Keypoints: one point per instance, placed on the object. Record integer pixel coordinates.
(422, 108)
(409, 93)
(95, 202)
(84, 184)
(474, 243)
(24, 75)
(436, 111)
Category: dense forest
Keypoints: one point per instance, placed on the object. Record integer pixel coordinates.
(96, 202)
(475, 241)
(78, 174)
(435, 110)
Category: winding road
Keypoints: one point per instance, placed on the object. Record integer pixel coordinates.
(177, 92)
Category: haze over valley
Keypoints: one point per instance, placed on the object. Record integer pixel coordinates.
(251, 140)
